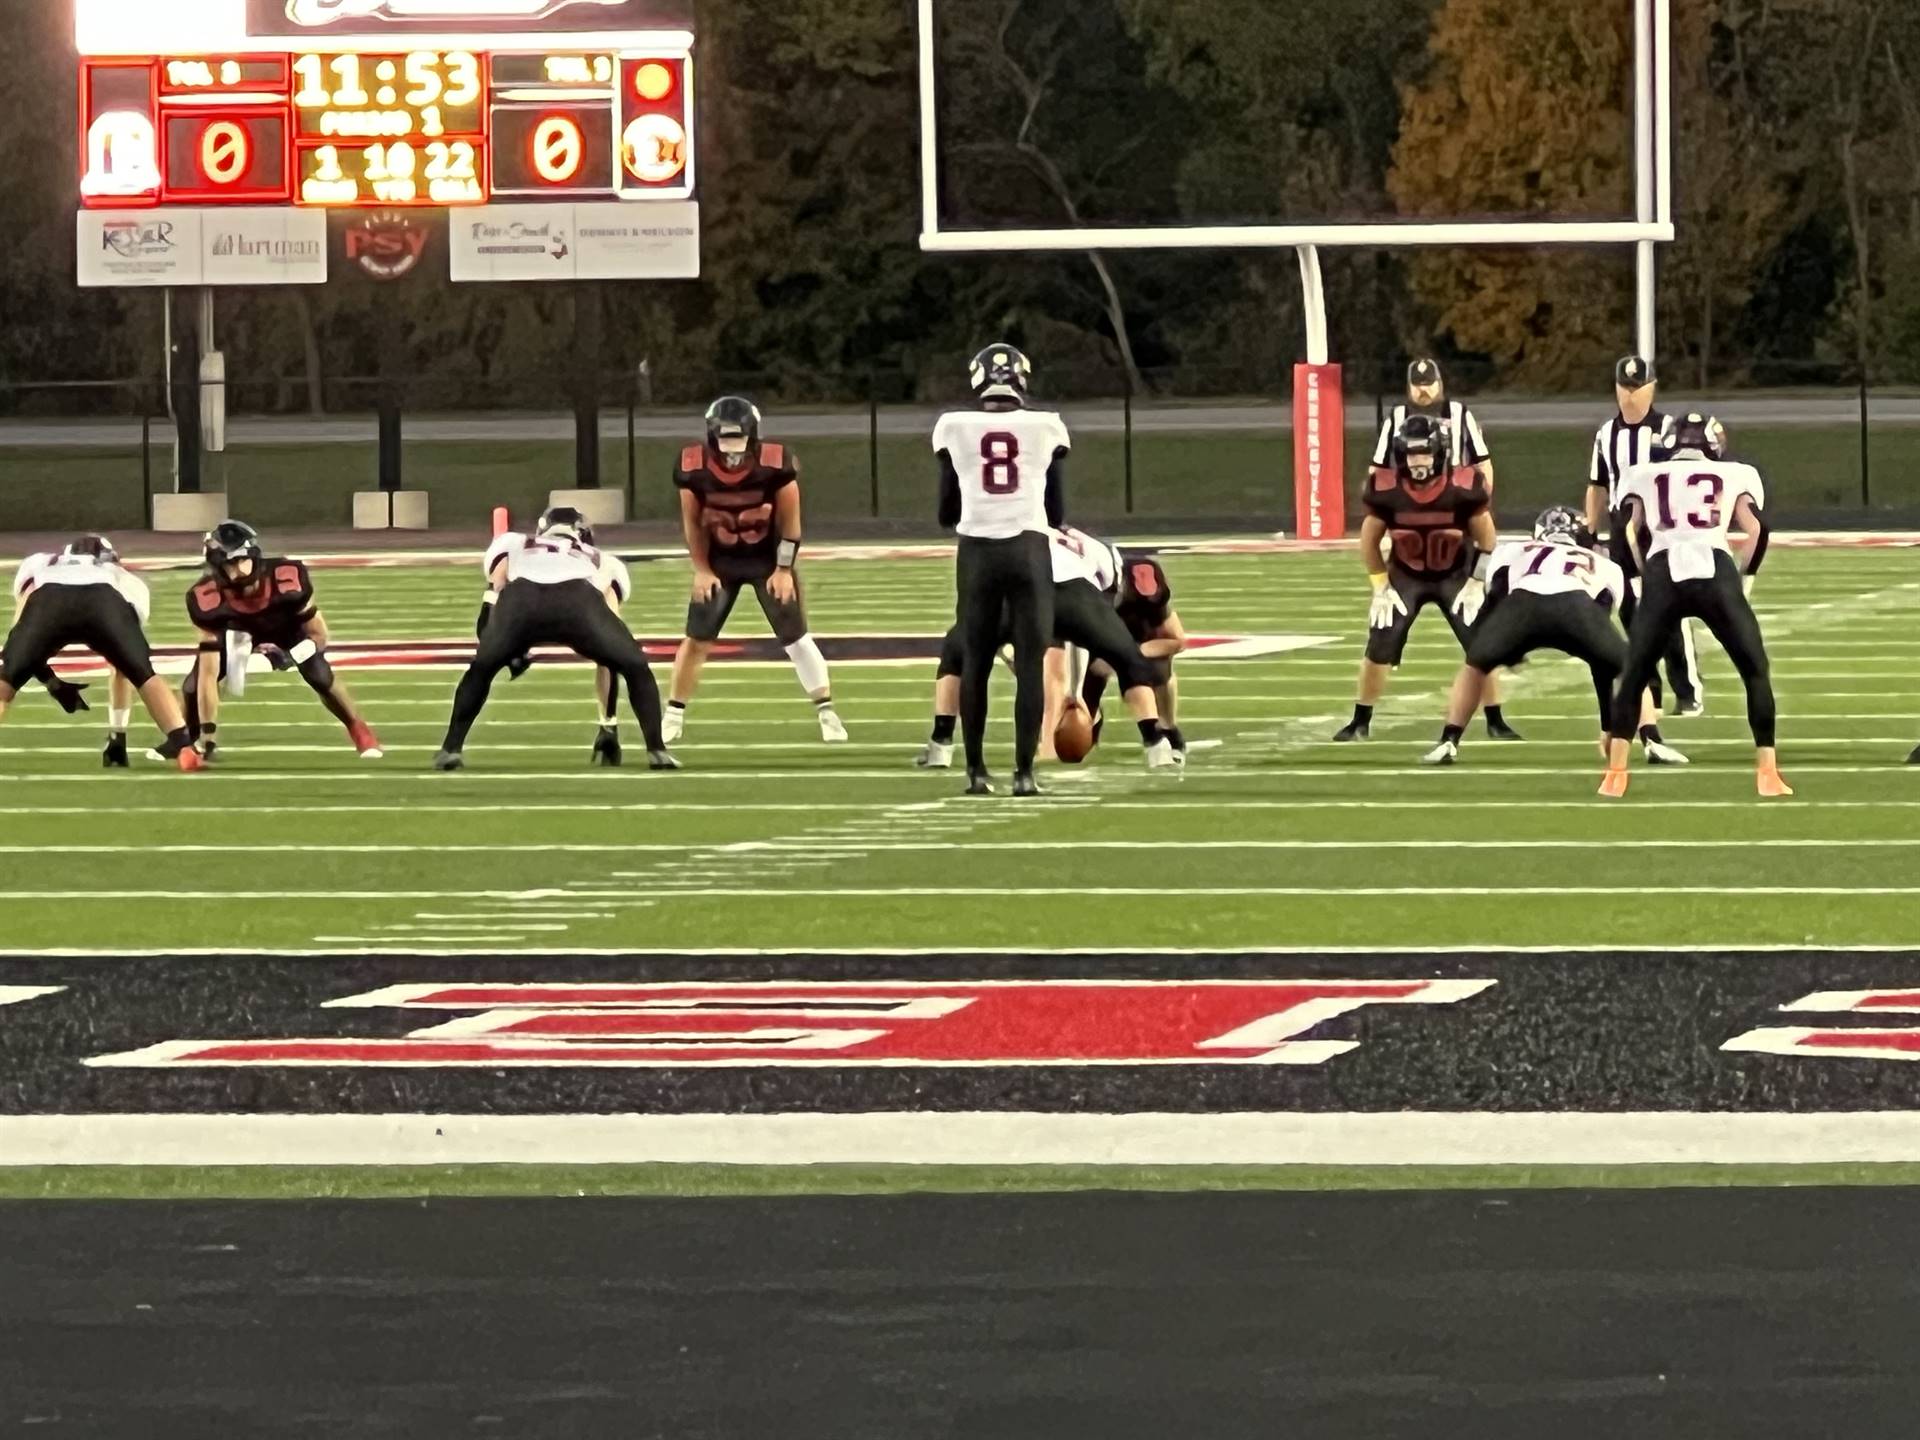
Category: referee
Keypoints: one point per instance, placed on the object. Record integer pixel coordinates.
(1427, 395)
(1629, 439)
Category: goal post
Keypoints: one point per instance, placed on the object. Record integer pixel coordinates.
(1318, 399)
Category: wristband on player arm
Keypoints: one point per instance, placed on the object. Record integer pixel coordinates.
(1482, 563)
(787, 552)
(487, 602)
(1377, 578)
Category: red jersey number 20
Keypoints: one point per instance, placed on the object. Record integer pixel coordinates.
(999, 463)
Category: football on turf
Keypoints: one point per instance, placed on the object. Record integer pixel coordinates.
(1073, 737)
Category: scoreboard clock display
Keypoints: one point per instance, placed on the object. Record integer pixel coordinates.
(379, 126)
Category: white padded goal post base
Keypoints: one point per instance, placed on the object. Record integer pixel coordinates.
(183, 514)
(410, 510)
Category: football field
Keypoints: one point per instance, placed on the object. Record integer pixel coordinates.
(769, 840)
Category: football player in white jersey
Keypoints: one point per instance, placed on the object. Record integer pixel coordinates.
(1553, 592)
(554, 588)
(1086, 587)
(1001, 488)
(84, 596)
(1682, 505)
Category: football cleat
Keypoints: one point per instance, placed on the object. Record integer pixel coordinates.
(1658, 752)
(935, 756)
(1445, 753)
(1024, 783)
(448, 760)
(832, 731)
(114, 757)
(366, 742)
(1500, 730)
(1691, 706)
(673, 724)
(1354, 731)
(1161, 756)
(189, 760)
(1770, 785)
(1614, 783)
(979, 782)
(606, 747)
(661, 760)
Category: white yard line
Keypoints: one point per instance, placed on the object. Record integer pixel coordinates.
(967, 1138)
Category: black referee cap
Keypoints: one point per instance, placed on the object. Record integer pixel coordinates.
(1424, 371)
(1632, 371)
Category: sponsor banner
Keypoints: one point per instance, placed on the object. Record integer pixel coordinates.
(511, 242)
(1068, 1033)
(139, 247)
(322, 18)
(280, 246)
(609, 241)
(651, 241)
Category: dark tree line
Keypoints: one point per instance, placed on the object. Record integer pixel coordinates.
(1797, 186)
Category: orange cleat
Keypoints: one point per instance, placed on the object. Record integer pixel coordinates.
(365, 741)
(1614, 783)
(1770, 785)
(190, 760)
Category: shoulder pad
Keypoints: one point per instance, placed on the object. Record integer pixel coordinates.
(773, 455)
(693, 459)
(1384, 479)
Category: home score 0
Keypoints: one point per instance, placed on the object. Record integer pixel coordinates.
(399, 129)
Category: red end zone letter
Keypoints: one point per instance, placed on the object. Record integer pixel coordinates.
(890, 1023)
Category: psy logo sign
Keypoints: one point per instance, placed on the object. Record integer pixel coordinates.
(387, 244)
(867, 1023)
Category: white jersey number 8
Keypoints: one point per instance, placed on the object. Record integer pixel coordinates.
(999, 469)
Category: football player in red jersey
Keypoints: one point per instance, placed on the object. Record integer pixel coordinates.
(1440, 522)
(249, 601)
(740, 511)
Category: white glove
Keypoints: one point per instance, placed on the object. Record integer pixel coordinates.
(1385, 606)
(1472, 596)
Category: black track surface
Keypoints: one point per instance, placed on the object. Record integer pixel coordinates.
(1529, 1314)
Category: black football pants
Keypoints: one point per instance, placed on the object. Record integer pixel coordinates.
(1017, 575)
(1718, 603)
(1683, 666)
(1522, 622)
(96, 616)
(573, 614)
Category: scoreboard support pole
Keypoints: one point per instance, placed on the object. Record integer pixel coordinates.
(586, 384)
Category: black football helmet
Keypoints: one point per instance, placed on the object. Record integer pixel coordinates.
(1420, 446)
(563, 521)
(733, 431)
(93, 547)
(1696, 434)
(229, 546)
(1564, 526)
(1000, 373)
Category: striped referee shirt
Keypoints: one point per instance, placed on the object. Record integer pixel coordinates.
(1618, 447)
(1468, 445)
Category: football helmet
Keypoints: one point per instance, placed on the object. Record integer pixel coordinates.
(232, 549)
(1696, 434)
(1564, 525)
(1420, 446)
(564, 522)
(733, 431)
(93, 547)
(1000, 372)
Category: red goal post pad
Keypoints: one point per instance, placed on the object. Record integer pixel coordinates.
(1319, 453)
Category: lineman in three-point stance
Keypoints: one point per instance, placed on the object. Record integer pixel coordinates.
(554, 588)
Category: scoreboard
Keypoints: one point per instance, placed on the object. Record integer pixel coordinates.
(386, 126)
